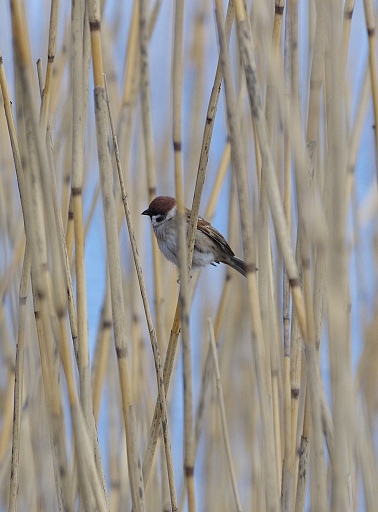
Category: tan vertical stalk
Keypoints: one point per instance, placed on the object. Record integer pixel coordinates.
(287, 493)
(149, 144)
(296, 338)
(50, 179)
(172, 345)
(151, 329)
(348, 14)
(312, 135)
(338, 324)
(305, 211)
(80, 53)
(275, 201)
(268, 452)
(78, 131)
(114, 265)
(19, 382)
(50, 62)
(303, 457)
(370, 26)
(264, 247)
(103, 344)
(206, 139)
(222, 410)
(129, 96)
(177, 73)
(29, 188)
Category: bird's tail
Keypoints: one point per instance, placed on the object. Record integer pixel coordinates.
(237, 264)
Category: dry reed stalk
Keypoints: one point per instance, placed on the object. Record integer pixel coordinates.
(148, 142)
(197, 48)
(208, 131)
(348, 14)
(287, 493)
(370, 27)
(78, 133)
(356, 131)
(172, 345)
(267, 300)
(151, 329)
(59, 277)
(19, 382)
(80, 69)
(135, 474)
(129, 95)
(271, 490)
(50, 62)
(36, 239)
(337, 277)
(58, 218)
(300, 498)
(222, 307)
(169, 360)
(304, 182)
(292, 82)
(183, 258)
(222, 411)
(102, 352)
(11, 271)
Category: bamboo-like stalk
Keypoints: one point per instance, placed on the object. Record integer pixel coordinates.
(135, 474)
(103, 344)
(183, 259)
(208, 130)
(78, 115)
(222, 308)
(50, 62)
(287, 495)
(172, 345)
(296, 338)
(151, 329)
(87, 467)
(222, 410)
(58, 219)
(18, 383)
(271, 490)
(337, 280)
(348, 15)
(271, 185)
(370, 27)
(303, 456)
(265, 264)
(148, 141)
(37, 244)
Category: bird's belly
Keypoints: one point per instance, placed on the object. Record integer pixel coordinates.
(202, 258)
(169, 248)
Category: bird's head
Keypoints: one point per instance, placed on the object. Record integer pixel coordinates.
(162, 208)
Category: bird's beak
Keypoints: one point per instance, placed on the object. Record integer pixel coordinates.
(146, 212)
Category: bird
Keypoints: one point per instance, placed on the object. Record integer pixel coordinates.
(210, 246)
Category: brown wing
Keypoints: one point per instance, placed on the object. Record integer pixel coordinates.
(213, 233)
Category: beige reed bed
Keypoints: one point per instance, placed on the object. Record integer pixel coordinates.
(123, 387)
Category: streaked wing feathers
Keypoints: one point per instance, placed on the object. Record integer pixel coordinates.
(212, 233)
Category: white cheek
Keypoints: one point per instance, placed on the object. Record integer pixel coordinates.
(171, 213)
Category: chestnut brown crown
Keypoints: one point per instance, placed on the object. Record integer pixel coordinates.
(161, 205)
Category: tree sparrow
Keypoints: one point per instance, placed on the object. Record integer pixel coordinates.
(210, 246)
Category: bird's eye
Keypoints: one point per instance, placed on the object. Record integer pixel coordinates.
(159, 218)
